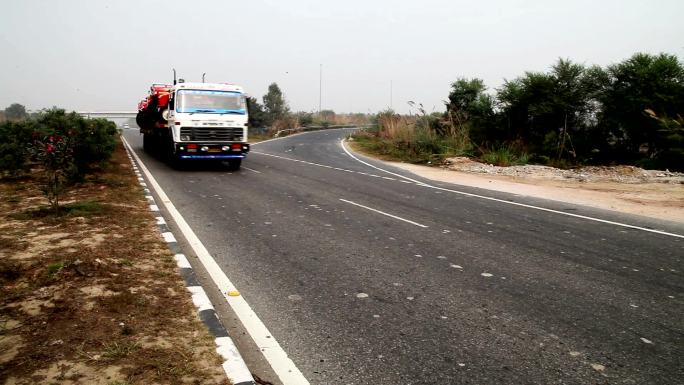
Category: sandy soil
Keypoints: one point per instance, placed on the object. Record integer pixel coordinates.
(92, 295)
(659, 197)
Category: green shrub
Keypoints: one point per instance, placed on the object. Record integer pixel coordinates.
(15, 144)
(505, 155)
(93, 140)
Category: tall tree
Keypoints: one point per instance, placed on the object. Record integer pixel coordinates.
(642, 82)
(257, 116)
(275, 104)
(15, 112)
(470, 106)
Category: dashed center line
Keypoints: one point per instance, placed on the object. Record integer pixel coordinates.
(329, 167)
(384, 213)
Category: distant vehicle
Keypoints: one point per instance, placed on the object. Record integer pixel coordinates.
(126, 126)
(187, 121)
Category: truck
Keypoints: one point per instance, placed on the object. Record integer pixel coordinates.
(182, 122)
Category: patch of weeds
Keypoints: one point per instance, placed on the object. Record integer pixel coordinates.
(119, 383)
(163, 274)
(116, 350)
(84, 209)
(505, 155)
(127, 262)
(77, 209)
(54, 268)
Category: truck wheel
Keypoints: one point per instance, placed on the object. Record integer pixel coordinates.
(147, 143)
(234, 164)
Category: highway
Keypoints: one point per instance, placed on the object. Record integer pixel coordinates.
(368, 277)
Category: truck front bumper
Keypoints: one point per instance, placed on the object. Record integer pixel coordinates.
(212, 150)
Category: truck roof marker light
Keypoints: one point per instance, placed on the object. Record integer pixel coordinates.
(177, 123)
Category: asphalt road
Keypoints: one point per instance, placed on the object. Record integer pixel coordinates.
(450, 289)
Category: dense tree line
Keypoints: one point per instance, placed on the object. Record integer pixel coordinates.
(630, 112)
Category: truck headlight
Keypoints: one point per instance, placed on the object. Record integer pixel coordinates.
(185, 138)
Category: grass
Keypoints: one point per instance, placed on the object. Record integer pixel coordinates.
(76, 209)
(116, 350)
(505, 155)
(419, 146)
(54, 268)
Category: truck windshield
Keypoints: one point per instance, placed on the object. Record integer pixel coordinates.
(212, 102)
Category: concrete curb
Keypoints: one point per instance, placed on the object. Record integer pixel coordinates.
(234, 365)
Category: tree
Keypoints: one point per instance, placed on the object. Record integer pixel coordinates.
(472, 108)
(642, 82)
(16, 112)
(257, 116)
(275, 105)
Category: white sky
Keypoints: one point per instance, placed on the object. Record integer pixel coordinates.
(102, 55)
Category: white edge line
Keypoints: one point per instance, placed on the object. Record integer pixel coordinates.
(384, 213)
(513, 203)
(247, 168)
(282, 365)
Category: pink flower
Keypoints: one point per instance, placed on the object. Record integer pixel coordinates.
(50, 148)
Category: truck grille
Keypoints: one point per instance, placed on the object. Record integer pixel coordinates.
(222, 134)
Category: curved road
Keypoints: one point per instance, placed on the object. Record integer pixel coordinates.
(364, 277)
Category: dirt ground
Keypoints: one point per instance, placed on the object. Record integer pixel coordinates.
(91, 295)
(628, 189)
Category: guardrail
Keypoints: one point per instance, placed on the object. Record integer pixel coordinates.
(316, 128)
(107, 114)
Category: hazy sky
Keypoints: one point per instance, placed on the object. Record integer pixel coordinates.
(102, 55)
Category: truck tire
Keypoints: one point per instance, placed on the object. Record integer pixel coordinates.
(147, 143)
(234, 164)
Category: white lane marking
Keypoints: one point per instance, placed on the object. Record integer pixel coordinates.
(168, 237)
(200, 299)
(161, 221)
(182, 262)
(154, 208)
(247, 168)
(233, 365)
(282, 365)
(514, 203)
(487, 275)
(326, 166)
(384, 213)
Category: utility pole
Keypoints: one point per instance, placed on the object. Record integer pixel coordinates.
(320, 87)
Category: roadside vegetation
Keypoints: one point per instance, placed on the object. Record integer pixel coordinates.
(627, 113)
(274, 116)
(89, 292)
